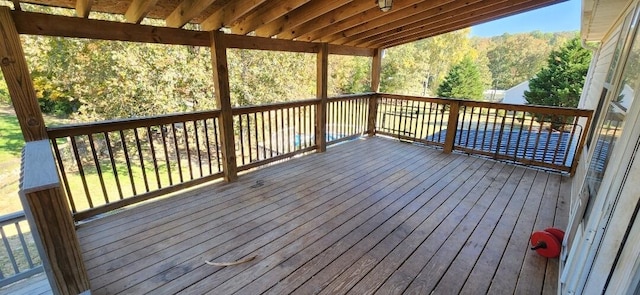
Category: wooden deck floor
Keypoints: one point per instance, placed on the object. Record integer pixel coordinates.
(368, 216)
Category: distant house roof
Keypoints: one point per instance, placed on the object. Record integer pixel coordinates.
(515, 94)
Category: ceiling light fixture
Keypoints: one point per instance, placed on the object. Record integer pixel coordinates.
(385, 5)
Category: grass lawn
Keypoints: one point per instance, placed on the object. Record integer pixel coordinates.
(11, 143)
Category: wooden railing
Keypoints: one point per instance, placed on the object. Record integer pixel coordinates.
(347, 117)
(19, 257)
(548, 137)
(268, 133)
(109, 165)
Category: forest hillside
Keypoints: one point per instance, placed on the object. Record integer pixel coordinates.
(90, 80)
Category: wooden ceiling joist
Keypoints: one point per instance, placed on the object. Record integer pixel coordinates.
(299, 16)
(138, 10)
(446, 11)
(443, 14)
(265, 14)
(230, 13)
(331, 32)
(328, 19)
(186, 11)
(83, 8)
(358, 23)
(408, 37)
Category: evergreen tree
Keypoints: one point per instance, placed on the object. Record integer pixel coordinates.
(560, 82)
(463, 81)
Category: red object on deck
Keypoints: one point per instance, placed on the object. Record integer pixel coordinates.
(546, 244)
(556, 232)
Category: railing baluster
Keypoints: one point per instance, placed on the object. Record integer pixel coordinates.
(128, 161)
(141, 158)
(256, 136)
(248, 137)
(63, 172)
(96, 162)
(264, 141)
(83, 178)
(283, 141)
(114, 168)
(12, 259)
(197, 143)
(23, 243)
(163, 130)
(270, 134)
(207, 144)
(153, 157)
(185, 134)
(217, 138)
(177, 148)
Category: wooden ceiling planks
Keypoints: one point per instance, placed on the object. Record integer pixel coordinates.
(357, 23)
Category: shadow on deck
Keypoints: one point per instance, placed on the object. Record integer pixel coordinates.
(370, 215)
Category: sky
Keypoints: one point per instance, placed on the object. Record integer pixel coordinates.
(555, 18)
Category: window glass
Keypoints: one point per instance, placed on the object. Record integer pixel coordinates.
(611, 126)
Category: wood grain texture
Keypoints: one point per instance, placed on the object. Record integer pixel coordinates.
(16, 74)
(322, 80)
(364, 216)
(452, 125)
(48, 212)
(223, 101)
(62, 26)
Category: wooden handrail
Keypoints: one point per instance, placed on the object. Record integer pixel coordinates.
(468, 125)
(129, 123)
(495, 105)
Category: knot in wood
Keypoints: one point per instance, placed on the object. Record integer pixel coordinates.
(6, 61)
(31, 122)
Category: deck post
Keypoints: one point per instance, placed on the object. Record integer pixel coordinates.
(321, 109)
(376, 64)
(47, 211)
(16, 74)
(223, 99)
(452, 126)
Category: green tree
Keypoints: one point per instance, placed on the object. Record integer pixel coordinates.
(560, 82)
(463, 81)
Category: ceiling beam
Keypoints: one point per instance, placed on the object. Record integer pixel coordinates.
(447, 27)
(138, 10)
(401, 9)
(229, 14)
(265, 14)
(328, 19)
(449, 11)
(41, 24)
(83, 8)
(186, 11)
(299, 16)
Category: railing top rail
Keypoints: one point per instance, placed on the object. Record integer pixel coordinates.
(505, 106)
(240, 110)
(350, 96)
(12, 218)
(128, 123)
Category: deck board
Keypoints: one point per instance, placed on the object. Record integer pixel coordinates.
(370, 215)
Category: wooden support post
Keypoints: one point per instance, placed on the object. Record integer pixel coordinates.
(321, 109)
(452, 126)
(223, 99)
(16, 74)
(376, 64)
(47, 211)
(583, 139)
